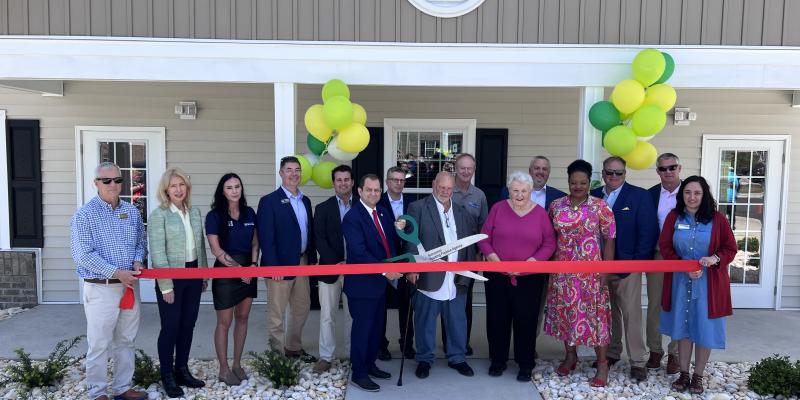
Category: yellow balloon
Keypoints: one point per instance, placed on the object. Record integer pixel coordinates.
(359, 114)
(642, 157)
(628, 96)
(315, 123)
(353, 139)
(661, 95)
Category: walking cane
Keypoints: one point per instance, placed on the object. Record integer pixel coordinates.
(405, 336)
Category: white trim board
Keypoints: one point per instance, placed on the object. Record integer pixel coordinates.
(369, 63)
(5, 213)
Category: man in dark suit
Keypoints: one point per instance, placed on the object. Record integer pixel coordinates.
(368, 233)
(665, 196)
(286, 236)
(441, 221)
(637, 234)
(328, 238)
(543, 195)
(395, 201)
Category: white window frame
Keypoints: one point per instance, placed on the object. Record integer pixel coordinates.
(392, 125)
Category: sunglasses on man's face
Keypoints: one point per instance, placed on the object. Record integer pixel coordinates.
(616, 173)
(672, 167)
(107, 181)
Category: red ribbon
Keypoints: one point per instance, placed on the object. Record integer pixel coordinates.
(547, 267)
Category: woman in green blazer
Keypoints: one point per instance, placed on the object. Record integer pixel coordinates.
(175, 233)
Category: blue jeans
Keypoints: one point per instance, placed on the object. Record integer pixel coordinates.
(426, 311)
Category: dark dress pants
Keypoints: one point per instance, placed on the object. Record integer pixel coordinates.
(177, 322)
(369, 317)
(514, 308)
(404, 292)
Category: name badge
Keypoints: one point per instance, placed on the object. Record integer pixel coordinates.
(230, 223)
(123, 216)
(284, 201)
(473, 204)
(249, 224)
(684, 226)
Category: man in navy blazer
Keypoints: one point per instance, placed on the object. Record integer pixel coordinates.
(665, 196)
(637, 233)
(395, 201)
(543, 195)
(286, 237)
(369, 236)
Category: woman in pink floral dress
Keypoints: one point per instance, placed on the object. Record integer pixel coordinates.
(578, 308)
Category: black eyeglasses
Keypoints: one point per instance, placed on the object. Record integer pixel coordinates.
(107, 181)
(616, 173)
(672, 167)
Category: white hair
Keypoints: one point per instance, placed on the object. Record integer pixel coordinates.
(103, 166)
(521, 177)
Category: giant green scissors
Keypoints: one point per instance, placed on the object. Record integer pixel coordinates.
(434, 255)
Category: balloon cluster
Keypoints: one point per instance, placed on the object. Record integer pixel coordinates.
(335, 128)
(636, 110)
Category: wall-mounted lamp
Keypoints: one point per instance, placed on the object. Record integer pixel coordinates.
(796, 99)
(186, 109)
(684, 116)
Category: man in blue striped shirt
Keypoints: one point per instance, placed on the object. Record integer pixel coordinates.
(109, 246)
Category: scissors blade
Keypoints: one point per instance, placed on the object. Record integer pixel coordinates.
(450, 248)
(472, 275)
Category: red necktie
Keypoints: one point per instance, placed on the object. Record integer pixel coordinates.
(380, 232)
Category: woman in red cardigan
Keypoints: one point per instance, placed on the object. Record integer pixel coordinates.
(695, 303)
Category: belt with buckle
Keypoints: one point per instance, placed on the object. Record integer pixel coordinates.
(103, 281)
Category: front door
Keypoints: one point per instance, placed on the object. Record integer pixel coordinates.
(139, 153)
(746, 176)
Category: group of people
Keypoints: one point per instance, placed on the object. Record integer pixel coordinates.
(675, 219)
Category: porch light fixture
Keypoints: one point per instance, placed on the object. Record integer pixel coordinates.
(796, 99)
(684, 116)
(186, 109)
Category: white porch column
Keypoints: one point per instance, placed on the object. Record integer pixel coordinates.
(590, 140)
(285, 117)
(5, 217)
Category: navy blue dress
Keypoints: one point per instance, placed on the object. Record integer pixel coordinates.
(236, 238)
(689, 315)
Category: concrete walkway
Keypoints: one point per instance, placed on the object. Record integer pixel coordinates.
(752, 335)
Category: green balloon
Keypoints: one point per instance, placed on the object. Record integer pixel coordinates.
(619, 140)
(305, 169)
(669, 68)
(603, 115)
(315, 145)
(322, 174)
(648, 66)
(333, 88)
(648, 120)
(337, 112)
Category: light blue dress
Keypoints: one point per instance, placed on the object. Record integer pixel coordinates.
(689, 315)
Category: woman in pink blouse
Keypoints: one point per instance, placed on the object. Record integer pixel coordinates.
(518, 230)
(578, 308)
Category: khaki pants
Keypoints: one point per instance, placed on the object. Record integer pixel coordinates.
(329, 295)
(655, 283)
(626, 311)
(295, 294)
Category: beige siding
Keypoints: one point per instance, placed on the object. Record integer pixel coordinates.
(689, 22)
(745, 113)
(234, 132)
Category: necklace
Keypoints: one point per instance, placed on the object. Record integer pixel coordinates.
(575, 207)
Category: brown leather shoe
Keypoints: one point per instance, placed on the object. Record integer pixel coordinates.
(673, 366)
(638, 374)
(131, 394)
(655, 360)
(321, 366)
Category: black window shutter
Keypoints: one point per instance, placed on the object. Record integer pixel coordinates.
(491, 152)
(24, 183)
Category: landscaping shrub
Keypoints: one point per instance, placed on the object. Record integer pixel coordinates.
(28, 375)
(775, 375)
(145, 372)
(281, 370)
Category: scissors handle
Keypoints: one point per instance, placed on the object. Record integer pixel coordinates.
(403, 257)
(413, 236)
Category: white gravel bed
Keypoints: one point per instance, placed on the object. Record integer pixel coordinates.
(328, 385)
(10, 312)
(723, 381)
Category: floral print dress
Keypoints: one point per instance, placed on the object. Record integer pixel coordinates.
(578, 305)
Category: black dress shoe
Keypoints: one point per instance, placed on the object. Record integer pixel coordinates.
(638, 374)
(468, 352)
(497, 369)
(170, 386)
(376, 372)
(384, 355)
(524, 375)
(463, 368)
(423, 370)
(365, 384)
(184, 378)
